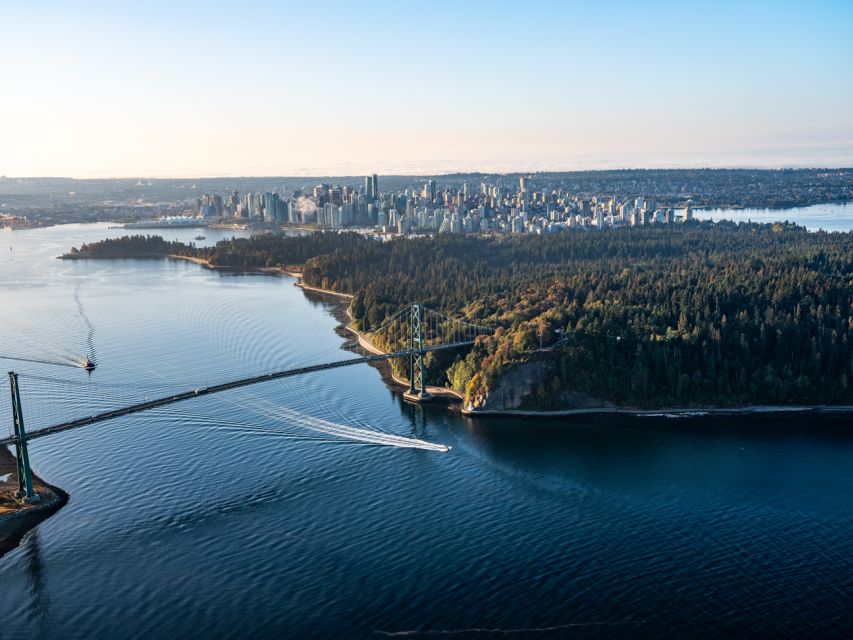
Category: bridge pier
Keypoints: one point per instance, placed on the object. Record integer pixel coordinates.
(417, 380)
(25, 474)
(417, 396)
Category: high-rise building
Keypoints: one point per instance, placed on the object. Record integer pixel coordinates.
(293, 211)
(269, 205)
(429, 191)
(371, 187)
(321, 194)
(335, 195)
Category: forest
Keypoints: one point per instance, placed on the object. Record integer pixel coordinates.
(260, 250)
(692, 315)
(136, 246)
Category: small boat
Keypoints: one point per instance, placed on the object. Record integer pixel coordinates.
(88, 364)
(200, 238)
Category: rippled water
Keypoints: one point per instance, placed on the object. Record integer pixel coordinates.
(220, 518)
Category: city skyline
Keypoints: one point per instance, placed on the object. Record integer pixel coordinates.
(328, 89)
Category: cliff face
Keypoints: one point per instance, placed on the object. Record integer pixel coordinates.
(521, 381)
(512, 387)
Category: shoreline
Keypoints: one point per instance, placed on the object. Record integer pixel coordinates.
(299, 284)
(173, 256)
(768, 207)
(664, 412)
(17, 520)
(444, 393)
(388, 375)
(273, 271)
(447, 393)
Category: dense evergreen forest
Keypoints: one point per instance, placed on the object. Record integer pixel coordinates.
(701, 314)
(273, 250)
(688, 315)
(131, 247)
(260, 250)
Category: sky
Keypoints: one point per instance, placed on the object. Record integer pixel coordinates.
(188, 89)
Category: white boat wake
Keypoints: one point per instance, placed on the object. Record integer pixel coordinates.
(368, 436)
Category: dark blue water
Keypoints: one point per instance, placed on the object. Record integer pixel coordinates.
(221, 518)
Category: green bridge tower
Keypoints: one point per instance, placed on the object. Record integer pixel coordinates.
(25, 474)
(417, 380)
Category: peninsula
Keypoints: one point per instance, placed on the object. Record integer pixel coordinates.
(692, 316)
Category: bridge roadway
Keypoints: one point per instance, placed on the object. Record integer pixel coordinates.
(225, 386)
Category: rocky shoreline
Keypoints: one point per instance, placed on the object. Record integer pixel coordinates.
(673, 412)
(343, 315)
(17, 519)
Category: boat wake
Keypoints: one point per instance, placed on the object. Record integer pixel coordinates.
(283, 414)
(62, 363)
(90, 330)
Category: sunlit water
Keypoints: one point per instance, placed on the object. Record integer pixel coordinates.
(826, 217)
(224, 517)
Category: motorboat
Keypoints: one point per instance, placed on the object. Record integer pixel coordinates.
(88, 364)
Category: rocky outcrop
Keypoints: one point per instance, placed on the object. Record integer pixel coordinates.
(512, 387)
(17, 518)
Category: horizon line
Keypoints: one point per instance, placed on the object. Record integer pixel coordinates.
(813, 167)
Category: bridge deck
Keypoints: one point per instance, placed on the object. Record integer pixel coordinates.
(217, 388)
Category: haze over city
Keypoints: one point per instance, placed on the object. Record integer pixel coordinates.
(328, 88)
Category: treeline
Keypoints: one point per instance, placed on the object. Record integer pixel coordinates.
(276, 250)
(698, 314)
(133, 246)
(261, 250)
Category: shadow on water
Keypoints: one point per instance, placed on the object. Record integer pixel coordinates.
(708, 458)
(39, 605)
(415, 416)
(601, 430)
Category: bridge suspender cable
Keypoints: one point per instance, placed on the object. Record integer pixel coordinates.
(416, 351)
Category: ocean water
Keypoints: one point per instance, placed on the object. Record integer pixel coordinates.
(826, 217)
(230, 516)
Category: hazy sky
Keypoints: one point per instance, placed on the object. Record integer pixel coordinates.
(270, 88)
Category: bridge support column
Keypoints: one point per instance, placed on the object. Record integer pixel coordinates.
(413, 340)
(417, 380)
(22, 456)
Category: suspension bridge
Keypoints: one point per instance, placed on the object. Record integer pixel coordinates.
(412, 333)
